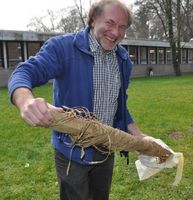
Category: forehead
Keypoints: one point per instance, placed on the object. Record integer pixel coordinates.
(115, 12)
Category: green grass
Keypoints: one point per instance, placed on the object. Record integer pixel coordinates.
(161, 106)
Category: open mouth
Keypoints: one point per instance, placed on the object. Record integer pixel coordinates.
(111, 39)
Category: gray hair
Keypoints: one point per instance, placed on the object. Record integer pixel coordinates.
(98, 6)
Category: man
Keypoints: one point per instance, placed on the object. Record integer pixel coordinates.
(89, 69)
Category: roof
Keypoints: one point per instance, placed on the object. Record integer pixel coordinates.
(12, 35)
(8, 35)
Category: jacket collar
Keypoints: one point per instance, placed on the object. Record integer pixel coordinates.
(81, 41)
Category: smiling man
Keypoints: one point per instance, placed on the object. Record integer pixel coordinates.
(90, 69)
(109, 28)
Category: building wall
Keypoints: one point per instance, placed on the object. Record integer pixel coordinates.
(137, 71)
(159, 70)
(154, 56)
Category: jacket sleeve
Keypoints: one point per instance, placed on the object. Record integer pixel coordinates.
(38, 69)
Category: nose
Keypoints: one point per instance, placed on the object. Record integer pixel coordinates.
(115, 32)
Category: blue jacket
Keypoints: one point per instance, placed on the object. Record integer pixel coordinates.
(67, 60)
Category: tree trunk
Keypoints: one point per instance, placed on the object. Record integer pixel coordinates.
(178, 71)
(175, 60)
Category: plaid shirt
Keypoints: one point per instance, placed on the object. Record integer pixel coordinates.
(106, 81)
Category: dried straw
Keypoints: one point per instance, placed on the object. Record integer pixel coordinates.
(86, 130)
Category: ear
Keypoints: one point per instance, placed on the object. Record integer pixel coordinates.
(93, 22)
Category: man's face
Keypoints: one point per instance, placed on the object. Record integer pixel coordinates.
(109, 27)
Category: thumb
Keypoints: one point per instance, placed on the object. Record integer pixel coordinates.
(51, 107)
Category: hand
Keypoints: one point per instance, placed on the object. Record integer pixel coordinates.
(154, 149)
(35, 111)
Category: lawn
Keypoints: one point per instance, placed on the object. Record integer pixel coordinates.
(161, 106)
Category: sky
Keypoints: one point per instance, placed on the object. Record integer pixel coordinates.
(16, 14)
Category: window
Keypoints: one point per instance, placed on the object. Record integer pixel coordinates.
(33, 48)
(14, 50)
(143, 55)
(184, 56)
(190, 56)
(152, 55)
(133, 54)
(168, 56)
(1, 55)
(161, 56)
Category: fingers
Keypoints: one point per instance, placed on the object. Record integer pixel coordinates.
(36, 113)
(58, 109)
(162, 154)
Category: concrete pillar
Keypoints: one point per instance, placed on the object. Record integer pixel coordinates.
(5, 55)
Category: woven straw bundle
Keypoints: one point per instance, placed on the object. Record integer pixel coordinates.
(86, 130)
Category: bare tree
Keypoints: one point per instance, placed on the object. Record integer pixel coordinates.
(81, 11)
(168, 13)
(69, 19)
(70, 22)
(187, 13)
(172, 38)
(140, 26)
(46, 23)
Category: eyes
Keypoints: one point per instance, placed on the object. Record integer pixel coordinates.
(112, 24)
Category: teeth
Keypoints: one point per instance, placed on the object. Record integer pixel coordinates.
(112, 40)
